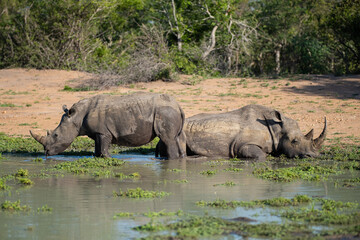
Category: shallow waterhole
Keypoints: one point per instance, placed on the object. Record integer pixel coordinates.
(84, 206)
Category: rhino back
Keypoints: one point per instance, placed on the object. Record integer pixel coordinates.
(129, 119)
(215, 134)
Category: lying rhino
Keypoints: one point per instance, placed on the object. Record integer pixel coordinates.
(249, 132)
(131, 120)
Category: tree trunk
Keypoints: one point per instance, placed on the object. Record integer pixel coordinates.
(211, 47)
(277, 60)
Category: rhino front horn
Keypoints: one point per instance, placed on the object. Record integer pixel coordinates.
(38, 138)
(320, 140)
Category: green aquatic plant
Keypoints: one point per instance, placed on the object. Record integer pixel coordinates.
(45, 209)
(227, 184)
(195, 227)
(233, 169)
(305, 171)
(208, 172)
(162, 213)
(140, 193)
(22, 173)
(14, 206)
(3, 185)
(25, 181)
(274, 202)
(134, 175)
(123, 215)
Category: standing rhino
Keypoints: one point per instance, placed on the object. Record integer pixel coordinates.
(249, 132)
(131, 120)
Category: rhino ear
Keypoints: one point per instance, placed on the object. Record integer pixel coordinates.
(278, 115)
(310, 135)
(64, 107)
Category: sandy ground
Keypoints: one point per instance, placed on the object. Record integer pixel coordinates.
(33, 99)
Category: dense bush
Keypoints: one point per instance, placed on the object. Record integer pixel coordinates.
(143, 40)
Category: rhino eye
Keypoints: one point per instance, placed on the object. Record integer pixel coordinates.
(295, 141)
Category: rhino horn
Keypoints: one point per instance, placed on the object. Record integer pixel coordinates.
(320, 140)
(40, 139)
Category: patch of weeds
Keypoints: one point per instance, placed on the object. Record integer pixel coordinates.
(195, 227)
(123, 215)
(10, 105)
(226, 184)
(102, 173)
(140, 193)
(274, 202)
(305, 171)
(3, 185)
(134, 175)
(14, 206)
(38, 160)
(25, 181)
(45, 209)
(77, 89)
(22, 173)
(233, 169)
(208, 172)
(162, 213)
(175, 170)
(342, 152)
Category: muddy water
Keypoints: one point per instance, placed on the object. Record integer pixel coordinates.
(84, 206)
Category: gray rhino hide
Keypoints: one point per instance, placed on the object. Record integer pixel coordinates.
(131, 120)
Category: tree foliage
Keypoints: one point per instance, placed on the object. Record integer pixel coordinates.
(160, 38)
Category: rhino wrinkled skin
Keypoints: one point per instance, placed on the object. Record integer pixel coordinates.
(131, 120)
(252, 131)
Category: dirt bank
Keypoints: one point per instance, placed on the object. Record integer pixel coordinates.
(32, 99)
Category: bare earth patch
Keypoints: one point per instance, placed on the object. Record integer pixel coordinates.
(33, 99)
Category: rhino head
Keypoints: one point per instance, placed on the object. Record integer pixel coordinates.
(293, 143)
(58, 140)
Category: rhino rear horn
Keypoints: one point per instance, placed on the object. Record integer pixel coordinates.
(320, 140)
(310, 135)
(40, 139)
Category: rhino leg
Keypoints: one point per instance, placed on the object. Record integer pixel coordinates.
(167, 125)
(102, 144)
(251, 151)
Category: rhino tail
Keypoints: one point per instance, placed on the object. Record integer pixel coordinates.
(181, 152)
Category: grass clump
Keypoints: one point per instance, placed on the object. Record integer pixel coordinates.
(208, 172)
(194, 227)
(3, 185)
(96, 166)
(305, 171)
(45, 209)
(14, 206)
(140, 193)
(274, 202)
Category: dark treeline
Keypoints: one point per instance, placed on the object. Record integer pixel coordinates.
(143, 40)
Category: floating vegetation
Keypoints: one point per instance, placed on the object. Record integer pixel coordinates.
(226, 184)
(25, 181)
(305, 171)
(208, 172)
(14, 206)
(45, 209)
(98, 166)
(275, 202)
(123, 215)
(233, 169)
(194, 227)
(179, 181)
(140, 193)
(22, 173)
(3, 185)
(327, 214)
